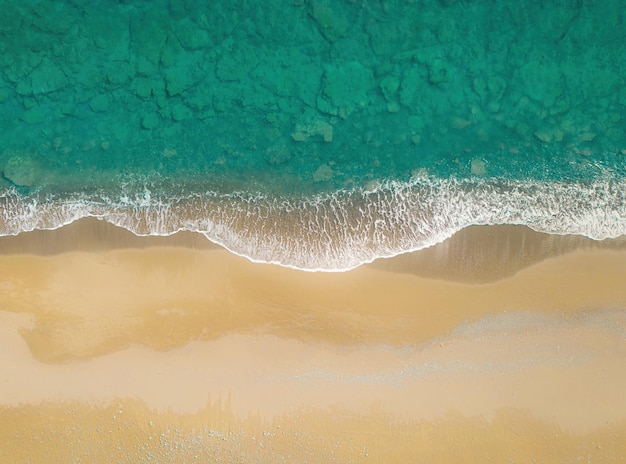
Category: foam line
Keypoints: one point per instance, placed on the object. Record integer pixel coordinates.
(341, 230)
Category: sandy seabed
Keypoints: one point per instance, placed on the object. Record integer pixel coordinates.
(500, 344)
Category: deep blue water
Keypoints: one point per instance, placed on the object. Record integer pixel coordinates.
(317, 134)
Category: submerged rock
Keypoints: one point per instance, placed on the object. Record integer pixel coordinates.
(99, 103)
(389, 87)
(20, 169)
(150, 121)
(278, 154)
(184, 74)
(345, 88)
(331, 19)
(439, 72)
(549, 134)
(47, 77)
(33, 115)
(542, 79)
(181, 112)
(190, 35)
(478, 167)
(312, 128)
(323, 173)
(236, 62)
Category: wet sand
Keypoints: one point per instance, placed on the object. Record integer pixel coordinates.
(116, 348)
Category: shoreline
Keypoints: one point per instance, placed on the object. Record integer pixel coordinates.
(476, 254)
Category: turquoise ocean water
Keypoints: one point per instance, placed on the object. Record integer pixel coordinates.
(318, 134)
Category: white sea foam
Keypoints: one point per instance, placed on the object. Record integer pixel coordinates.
(342, 230)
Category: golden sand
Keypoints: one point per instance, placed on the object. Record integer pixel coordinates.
(127, 431)
(157, 350)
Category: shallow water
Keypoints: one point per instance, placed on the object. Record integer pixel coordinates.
(316, 134)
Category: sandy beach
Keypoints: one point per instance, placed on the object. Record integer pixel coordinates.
(500, 343)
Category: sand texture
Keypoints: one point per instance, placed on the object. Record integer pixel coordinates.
(123, 349)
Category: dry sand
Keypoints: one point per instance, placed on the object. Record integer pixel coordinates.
(115, 348)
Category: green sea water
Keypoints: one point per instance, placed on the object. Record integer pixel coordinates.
(318, 134)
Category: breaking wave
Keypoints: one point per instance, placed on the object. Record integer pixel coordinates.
(334, 231)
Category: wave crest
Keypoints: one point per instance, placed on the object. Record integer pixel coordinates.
(335, 231)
